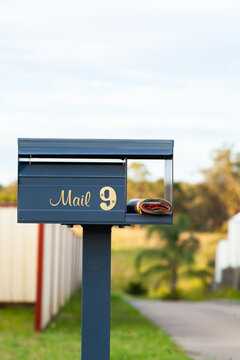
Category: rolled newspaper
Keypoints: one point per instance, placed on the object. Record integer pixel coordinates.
(149, 206)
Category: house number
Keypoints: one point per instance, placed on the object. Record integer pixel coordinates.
(109, 196)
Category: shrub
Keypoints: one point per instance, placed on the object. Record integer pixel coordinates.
(136, 288)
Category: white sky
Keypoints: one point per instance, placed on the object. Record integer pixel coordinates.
(146, 69)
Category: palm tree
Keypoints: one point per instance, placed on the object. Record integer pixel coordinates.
(174, 252)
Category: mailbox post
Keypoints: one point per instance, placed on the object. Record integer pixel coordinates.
(84, 182)
(96, 292)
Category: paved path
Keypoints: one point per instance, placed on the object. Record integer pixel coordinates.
(206, 330)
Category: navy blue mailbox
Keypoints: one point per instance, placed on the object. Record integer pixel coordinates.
(84, 181)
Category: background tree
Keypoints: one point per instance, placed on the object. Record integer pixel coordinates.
(175, 251)
(138, 185)
(138, 172)
(8, 194)
(223, 179)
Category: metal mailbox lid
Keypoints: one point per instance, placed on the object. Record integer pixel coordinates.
(97, 148)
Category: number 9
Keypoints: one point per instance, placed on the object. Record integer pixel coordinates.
(111, 197)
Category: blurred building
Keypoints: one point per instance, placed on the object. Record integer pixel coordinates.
(39, 264)
(227, 261)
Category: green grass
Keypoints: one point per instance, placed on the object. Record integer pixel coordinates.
(60, 341)
(226, 294)
(132, 336)
(123, 268)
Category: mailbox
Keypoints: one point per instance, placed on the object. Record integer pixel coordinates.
(84, 181)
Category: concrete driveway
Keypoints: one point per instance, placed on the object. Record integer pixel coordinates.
(206, 330)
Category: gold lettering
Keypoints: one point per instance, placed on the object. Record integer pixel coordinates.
(82, 199)
(76, 201)
(69, 198)
(87, 198)
(61, 199)
(62, 195)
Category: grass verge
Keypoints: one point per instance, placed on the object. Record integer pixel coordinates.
(226, 293)
(132, 336)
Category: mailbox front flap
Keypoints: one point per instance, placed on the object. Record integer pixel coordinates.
(71, 193)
